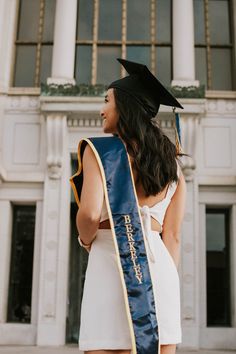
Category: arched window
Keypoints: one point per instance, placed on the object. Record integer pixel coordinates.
(214, 44)
(133, 29)
(34, 41)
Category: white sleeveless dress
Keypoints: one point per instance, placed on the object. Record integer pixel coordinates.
(104, 324)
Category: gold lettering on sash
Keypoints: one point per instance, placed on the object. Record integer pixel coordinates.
(130, 237)
(129, 228)
(132, 249)
(127, 219)
(131, 246)
(133, 254)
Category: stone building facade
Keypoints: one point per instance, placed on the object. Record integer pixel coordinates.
(41, 266)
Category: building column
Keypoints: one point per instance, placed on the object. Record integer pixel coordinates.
(63, 56)
(53, 274)
(190, 233)
(8, 11)
(189, 272)
(183, 44)
(5, 255)
(189, 251)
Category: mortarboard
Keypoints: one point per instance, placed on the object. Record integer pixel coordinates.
(144, 87)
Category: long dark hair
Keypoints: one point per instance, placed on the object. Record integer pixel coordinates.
(153, 154)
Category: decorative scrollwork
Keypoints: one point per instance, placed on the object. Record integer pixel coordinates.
(56, 127)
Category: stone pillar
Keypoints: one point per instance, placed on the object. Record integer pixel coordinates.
(5, 255)
(183, 44)
(8, 11)
(63, 57)
(190, 237)
(189, 269)
(55, 230)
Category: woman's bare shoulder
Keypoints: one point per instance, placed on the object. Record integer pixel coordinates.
(88, 152)
(180, 186)
(89, 160)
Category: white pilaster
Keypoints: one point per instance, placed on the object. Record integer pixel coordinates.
(189, 269)
(55, 240)
(64, 42)
(5, 253)
(183, 44)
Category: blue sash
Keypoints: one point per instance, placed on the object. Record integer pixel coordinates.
(128, 235)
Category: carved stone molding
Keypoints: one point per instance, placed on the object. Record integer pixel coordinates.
(83, 112)
(189, 133)
(227, 107)
(29, 104)
(93, 120)
(189, 127)
(84, 121)
(56, 128)
(3, 175)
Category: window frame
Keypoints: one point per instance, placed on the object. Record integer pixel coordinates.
(124, 43)
(216, 197)
(208, 47)
(22, 195)
(226, 210)
(39, 44)
(14, 235)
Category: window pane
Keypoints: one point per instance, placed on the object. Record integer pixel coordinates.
(218, 271)
(163, 21)
(25, 66)
(49, 17)
(138, 20)
(201, 65)
(219, 21)
(46, 63)
(83, 65)
(108, 68)
(110, 13)
(28, 20)
(199, 22)
(139, 54)
(85, 19)
(215, 231)
(20, 285)
(221, 69)
(163, 65)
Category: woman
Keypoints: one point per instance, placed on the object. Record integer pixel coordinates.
(128, 112)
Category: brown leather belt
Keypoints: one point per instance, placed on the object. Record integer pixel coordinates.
(106, 225)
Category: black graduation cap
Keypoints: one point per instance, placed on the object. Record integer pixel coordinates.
(144, 87)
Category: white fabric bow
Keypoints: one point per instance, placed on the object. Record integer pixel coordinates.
(146, 217)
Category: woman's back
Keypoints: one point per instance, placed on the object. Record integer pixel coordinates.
(157, 204)
(142, 198)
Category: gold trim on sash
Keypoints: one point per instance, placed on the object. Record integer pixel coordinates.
(134, 351)
(80, 167)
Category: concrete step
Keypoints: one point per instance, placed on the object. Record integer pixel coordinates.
(73, 349)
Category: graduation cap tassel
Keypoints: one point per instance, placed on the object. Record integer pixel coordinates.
(179, 149)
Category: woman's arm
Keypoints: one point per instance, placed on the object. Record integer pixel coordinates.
(173, 220)
(92, 195)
